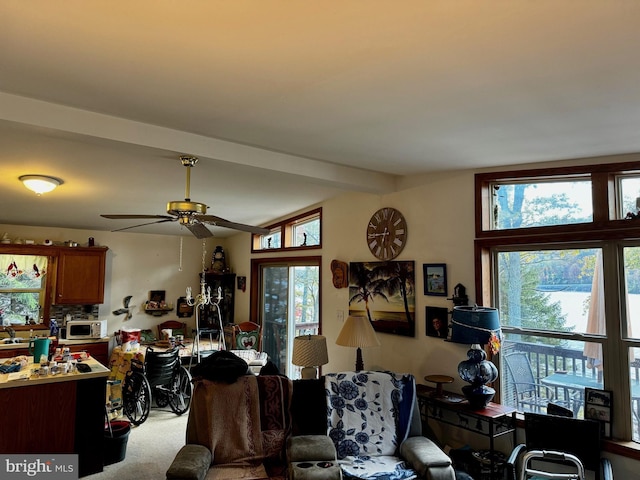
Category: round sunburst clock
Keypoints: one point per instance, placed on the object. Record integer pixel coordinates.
(386, 233)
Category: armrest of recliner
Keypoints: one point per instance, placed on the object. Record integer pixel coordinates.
(310, 448)
(427, 459)
(191, 463)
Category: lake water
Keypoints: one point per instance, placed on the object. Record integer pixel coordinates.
(576, 307)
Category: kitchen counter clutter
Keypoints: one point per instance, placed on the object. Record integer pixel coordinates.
(29, 374)
(97, 348)
(62, 413)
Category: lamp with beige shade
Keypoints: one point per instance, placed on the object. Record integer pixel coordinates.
(309, 351)
(357, 332)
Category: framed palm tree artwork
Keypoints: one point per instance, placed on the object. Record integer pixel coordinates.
(384, 292)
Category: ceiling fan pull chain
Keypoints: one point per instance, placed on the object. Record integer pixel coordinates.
(204, 254)
(180, 266)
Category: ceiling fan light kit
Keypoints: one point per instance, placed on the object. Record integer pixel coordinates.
(40, 184)
(191, 215)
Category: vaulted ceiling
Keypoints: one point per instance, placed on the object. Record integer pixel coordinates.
(287, 103)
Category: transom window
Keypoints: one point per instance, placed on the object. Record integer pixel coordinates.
(300, 232)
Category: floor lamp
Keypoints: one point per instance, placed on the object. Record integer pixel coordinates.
(357, 332)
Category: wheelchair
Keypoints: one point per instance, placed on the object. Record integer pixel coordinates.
(161, 378)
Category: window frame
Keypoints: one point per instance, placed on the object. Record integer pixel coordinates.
(286, 229)
(606, 229)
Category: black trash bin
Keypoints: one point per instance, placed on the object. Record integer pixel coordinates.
(115, 441)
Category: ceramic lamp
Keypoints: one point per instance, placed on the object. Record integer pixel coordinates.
(476, 326)
(309, 351)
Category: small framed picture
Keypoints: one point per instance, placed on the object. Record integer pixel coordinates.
(183, 309)
(435, 279)
(437, 322)
(598, 406)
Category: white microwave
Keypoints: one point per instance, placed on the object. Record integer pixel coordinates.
(86, 329)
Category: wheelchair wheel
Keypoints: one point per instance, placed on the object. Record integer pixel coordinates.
(161, 397)
(136, 398)
(181, 390)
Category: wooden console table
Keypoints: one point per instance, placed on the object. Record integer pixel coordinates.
(492, 421)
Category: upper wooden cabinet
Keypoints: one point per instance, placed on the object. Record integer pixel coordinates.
(80, 276)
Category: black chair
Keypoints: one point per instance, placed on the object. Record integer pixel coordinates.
(558, 444)
(558, 410)
(530, 395)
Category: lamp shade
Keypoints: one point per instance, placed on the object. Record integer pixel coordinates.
(357, 332)
(473, 325)
(310, 351)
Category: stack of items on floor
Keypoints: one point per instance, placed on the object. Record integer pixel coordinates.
(120, 364)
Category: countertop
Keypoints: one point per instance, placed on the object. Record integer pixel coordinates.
(97, 370)
(11, 346)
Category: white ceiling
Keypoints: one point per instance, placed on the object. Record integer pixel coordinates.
(289, 102)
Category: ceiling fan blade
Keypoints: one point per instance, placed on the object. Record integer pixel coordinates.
(221, 222)
(168, 219)
(122, 217)
(199, 230)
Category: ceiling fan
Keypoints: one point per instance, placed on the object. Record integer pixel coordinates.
(192, 215)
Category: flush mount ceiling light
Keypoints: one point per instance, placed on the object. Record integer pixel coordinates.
(40, 183)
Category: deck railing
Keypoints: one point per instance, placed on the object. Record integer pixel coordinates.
(548, 359)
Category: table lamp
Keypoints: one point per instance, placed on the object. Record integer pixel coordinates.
(357, 332)
(477, 326)
(310, 352)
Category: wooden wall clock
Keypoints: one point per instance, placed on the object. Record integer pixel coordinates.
(387, 233)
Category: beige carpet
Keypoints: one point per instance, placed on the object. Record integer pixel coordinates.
(151, 448)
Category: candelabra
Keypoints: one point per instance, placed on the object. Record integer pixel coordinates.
(204, 298)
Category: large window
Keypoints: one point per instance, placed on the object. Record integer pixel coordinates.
(558, 253)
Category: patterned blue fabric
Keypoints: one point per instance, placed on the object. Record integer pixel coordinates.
(366, 412)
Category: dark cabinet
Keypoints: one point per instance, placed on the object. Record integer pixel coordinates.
(226, 283)
(80, 276)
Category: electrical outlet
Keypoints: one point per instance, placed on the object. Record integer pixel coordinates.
(340, 315)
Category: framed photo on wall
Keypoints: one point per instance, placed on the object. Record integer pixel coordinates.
(435, 279)
(437, 322)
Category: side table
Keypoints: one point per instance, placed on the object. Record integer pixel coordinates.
(492, 421)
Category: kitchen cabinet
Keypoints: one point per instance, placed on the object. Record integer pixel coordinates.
(80, 276)
(226, 282)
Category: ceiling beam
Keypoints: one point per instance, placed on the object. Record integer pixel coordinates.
(75, 121)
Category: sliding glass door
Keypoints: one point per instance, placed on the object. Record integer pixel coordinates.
(288, 305)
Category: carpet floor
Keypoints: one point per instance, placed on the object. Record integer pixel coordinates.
(150, 449)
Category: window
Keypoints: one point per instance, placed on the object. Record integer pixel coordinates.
(22, 289)
(558, 253)
(300, 232)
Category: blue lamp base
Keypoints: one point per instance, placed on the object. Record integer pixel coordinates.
(478, 396)
(478, 371)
